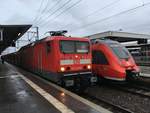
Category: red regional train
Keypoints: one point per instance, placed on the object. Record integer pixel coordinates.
(112, 61)
(63, 60)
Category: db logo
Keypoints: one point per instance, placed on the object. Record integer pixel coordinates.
(128, 63)
(76, 61)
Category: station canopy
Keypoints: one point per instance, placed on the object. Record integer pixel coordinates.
(139, 45)
(10, 33)
(121, 36)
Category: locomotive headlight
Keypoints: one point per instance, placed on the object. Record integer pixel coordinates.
(62, 69)
(89, 66)
(76, 56)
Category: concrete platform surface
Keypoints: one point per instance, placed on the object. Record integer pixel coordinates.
(16, 96)
(145, 75)
(24, 92)
(145, 69)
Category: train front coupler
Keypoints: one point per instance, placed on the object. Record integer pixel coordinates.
(132, 75)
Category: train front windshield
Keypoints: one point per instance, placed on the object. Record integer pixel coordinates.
(120, 51)
(74, 46)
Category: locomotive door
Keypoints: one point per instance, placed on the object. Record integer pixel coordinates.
(40, 61)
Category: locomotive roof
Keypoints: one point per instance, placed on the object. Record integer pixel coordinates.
(49, 38)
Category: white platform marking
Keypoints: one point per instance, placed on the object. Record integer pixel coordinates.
(145, 75)
(10, 76)
(60, 106)
(85, 101)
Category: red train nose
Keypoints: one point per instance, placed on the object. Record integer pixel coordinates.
(127, 63)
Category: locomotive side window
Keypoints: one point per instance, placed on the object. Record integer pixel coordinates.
(48, 47)
(99, 58)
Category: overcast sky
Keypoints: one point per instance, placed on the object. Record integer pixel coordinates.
(79, 17)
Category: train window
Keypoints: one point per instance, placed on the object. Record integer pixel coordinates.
(67, 46)
(82, 47)
(74, 46)
(99, 58)
(120, 51)
(48, 46)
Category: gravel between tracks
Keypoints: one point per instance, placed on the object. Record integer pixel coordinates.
(135, 103)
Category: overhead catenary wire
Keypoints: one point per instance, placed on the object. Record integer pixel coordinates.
(115, 15)
(142, 2)
(77, 2)
(44, 9)
(94, 12)
(42, 13)
(55, 11)
(35, 19)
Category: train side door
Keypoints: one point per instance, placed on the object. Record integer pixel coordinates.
(50, 58)
(100, 62)
(40, 60)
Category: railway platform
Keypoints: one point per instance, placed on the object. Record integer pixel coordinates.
(145, 71)
(24, 92)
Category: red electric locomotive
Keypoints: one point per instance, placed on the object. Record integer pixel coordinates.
(63, 60)
(112, 61)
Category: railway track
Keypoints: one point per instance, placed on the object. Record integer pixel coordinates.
(107, 104)
(141, 83)
(134, 89)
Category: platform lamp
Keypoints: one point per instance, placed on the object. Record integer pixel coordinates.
(13, 44)
(1, 34)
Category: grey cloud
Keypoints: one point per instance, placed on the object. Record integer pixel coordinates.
(25, 11)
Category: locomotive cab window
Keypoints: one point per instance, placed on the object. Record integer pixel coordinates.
(48, 47)
(67, 46)
(99, 58)
(74, 46)
(82, 47)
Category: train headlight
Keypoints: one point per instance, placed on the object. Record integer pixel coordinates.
(62, 69)
(76, 56)
(89, 66)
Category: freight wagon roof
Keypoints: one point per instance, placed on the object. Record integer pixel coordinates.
(10, 33)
